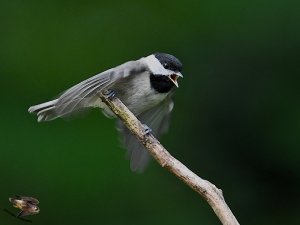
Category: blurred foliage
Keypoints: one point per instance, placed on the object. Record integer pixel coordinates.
(236, 121)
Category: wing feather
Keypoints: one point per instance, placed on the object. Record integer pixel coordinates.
(83, 95)
(157, 119)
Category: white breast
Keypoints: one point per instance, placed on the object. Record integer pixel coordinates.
(136, 93)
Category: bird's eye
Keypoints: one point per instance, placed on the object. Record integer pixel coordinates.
(166, 65)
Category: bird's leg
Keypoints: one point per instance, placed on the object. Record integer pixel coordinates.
(109, 93)
(19, 214)
(147, 130)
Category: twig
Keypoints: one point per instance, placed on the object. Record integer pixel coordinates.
(207, 190)
(19, 218)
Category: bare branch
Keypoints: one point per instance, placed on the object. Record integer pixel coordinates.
(207, 190)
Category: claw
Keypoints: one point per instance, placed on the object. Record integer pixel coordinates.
(148, 130)
(109, 93)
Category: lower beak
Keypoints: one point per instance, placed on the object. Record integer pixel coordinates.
(174, 78)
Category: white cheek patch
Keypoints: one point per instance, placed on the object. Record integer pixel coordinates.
(155, 66)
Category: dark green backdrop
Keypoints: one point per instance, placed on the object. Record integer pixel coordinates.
(236, 120)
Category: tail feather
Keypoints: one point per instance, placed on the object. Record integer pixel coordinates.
(45, 111)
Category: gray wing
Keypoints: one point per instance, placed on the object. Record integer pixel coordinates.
(157, 119)
(84, 94)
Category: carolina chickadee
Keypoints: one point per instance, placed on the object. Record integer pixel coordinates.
(145, 86)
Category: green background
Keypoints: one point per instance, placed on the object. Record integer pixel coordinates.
(236, 120)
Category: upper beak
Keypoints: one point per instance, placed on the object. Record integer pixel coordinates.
(174, 77)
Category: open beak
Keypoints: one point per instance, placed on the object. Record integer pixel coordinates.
(174, 77)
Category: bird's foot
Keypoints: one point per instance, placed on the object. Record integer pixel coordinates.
(109, 93)
(19, 214)
(147, 130)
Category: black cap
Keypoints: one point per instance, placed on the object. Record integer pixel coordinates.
(169, 62)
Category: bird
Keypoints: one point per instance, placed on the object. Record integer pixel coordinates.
(146, 86)
(27, 205)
